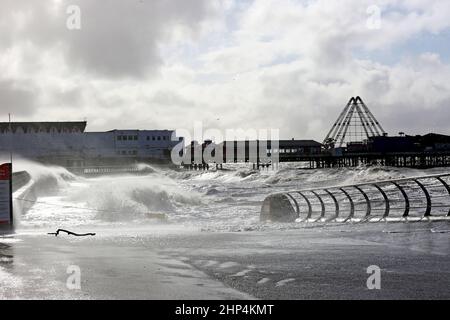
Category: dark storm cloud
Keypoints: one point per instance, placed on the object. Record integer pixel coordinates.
(283, 64)
(117, 38)
(121, 37)
(18, 101)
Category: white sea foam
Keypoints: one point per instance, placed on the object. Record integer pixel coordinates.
(224, 200)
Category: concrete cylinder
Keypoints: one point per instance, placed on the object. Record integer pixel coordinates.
(278, 208)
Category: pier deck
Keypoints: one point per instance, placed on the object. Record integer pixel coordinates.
(420, 160)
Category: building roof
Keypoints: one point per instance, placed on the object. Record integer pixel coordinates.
(288, 143)
(299, 143)
(431, 138)
(67, 126)
(140, 130)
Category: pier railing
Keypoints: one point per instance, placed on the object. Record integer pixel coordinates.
(101, 170)
(407, 198)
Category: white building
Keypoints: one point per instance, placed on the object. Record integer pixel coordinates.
(67, 144)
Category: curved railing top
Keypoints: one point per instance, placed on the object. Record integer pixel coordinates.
(369, 183)
(376, 197)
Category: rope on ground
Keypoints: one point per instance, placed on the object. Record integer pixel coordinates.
(71, 233)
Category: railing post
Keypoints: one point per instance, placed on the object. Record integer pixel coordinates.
(297, 208)
(427, 195)
(368, 204)
(448, 190)
(308, 203)
(336, 203)
(386, 200)
(322, 205)
(352, 205)
(405, 196)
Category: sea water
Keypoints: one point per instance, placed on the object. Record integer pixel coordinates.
(222, 200)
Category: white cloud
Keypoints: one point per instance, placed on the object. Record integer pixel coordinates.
(165, 64)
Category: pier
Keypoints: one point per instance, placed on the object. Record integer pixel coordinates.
(418, 160)
(326, 159)
(355, 138)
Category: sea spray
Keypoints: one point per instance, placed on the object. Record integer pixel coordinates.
(215, 200)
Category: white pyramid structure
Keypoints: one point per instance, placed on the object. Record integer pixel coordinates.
(356, 123)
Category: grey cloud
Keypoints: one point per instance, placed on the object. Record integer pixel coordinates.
(412, 120)
(68, 97)
(108, 64)
(117, 38)
(121, 38)
(171, 99)
(15, 100)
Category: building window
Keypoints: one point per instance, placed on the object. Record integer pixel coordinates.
(119, 138)
(130, 138)
(148, 138)
(159, 137)
(164, 138)
(135, 137)
(153, 138)
(124, 138)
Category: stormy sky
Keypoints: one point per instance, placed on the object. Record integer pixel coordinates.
(284, 64)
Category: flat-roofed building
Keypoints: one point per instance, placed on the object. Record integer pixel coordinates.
(252, 151)
(69, 145)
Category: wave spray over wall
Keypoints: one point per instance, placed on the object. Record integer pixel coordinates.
(226, 200)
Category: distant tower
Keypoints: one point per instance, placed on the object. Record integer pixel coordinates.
(355, 124)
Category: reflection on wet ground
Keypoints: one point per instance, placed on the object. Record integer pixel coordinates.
(6, 256)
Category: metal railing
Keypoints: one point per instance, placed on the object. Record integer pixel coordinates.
(407, 198)
(99, 170)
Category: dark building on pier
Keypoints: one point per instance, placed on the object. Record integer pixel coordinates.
(386, 144)
(427, 151)
(254, 150)
(434, 142)
(400, 144)
(300, 147)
